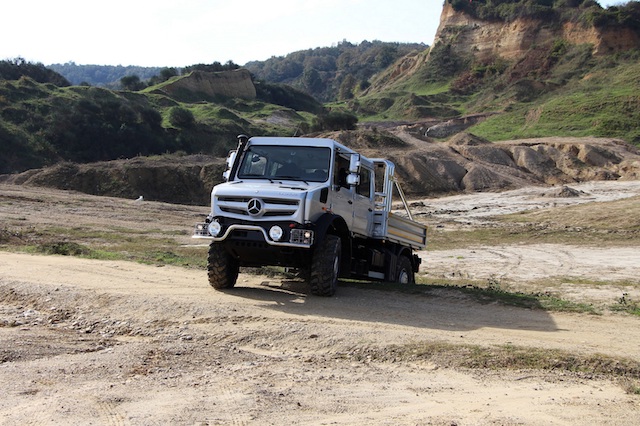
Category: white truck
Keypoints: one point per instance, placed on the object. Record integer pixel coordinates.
(310, 204)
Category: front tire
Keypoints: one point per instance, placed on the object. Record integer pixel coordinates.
(222, 268)
(325, 266)
(404, 271)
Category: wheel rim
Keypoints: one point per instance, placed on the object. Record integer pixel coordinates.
(336, 268)
(403, 277)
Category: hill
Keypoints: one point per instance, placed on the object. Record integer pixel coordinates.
(503, 70)
(333, 73)
(43, 123)
(536, 68)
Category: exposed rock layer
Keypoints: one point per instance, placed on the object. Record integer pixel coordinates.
(207, 86)
(512, 40)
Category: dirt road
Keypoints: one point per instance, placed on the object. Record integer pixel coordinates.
(109, 342)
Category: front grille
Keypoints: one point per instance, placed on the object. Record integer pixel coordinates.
(271, 206)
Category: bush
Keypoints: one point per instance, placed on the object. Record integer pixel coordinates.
(16, 68)
(132, 82)
(181, 117)
(336, 120)
(443, 63)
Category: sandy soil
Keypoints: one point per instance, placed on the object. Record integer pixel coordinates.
(105, 342)
(528, 266)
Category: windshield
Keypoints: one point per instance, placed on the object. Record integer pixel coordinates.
(301, 163)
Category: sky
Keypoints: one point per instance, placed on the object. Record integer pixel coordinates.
(178, 33)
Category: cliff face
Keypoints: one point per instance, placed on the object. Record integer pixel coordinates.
(511, 40)
(206, 85)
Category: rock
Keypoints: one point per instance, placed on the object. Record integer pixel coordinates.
(567, 192)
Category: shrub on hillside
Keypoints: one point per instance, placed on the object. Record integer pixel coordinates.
(103, 126)
(335, 120)
(181, 117)
(14, 69)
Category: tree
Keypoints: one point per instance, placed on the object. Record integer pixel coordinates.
(312, 80)
(347, 87)
(165, 74)
(14, 69)
(132, 82)
(181, 117)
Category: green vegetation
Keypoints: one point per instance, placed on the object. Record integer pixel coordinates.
(489, 292)
(627, 304)
(450, 355)
(114, 243)
(585, 11)
(16, 68)
(102, 75)
(43, 124)
(332, 73)
(605, 104)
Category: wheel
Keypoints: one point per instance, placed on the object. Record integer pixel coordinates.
(222, 268)
(325, 266)
(404, 271)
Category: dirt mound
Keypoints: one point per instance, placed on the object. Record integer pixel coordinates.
(175, 179)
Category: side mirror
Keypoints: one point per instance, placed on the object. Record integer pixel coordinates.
(231, 158)
(354, 164)
(353, 179)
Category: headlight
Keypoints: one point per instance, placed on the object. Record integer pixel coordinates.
(302, 236)
(214, 228)
(275, 232)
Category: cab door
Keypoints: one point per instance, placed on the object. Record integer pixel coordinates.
(363, 203)
(341, 192)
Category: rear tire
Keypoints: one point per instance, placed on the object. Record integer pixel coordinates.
(222, 268)
(325, 266)
(404, 271)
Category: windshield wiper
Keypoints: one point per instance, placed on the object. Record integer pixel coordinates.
(296, 178)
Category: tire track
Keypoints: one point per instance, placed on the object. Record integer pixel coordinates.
(110, 414)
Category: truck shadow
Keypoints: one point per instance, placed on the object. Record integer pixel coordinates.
(435, 308)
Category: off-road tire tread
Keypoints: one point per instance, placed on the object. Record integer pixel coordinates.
(222, 268)
(405, 263)
(324, 280)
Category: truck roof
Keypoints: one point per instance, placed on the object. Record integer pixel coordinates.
(289, 141)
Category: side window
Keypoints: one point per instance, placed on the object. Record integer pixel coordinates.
(364, 188)
(255, 166)
(341, 171)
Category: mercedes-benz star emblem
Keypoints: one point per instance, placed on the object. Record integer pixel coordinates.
(254, 207)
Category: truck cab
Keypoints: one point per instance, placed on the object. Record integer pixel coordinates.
(311, 204)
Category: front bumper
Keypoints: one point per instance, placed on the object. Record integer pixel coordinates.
(292, 236)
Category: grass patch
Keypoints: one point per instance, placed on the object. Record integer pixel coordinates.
(510, 357)
(626, 304)
(491, 292)
(157, 247)
(64, 248)
(593, 106)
